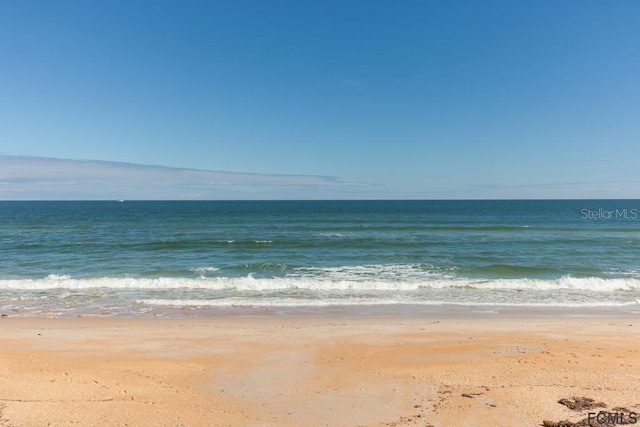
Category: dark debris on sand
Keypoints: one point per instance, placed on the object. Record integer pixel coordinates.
(581, 403)
(586, 422)
(616, 416)
(3, 421)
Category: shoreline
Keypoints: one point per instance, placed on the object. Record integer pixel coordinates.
(314, 370)
(418, 311)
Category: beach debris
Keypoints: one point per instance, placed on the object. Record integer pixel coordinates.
(616, 416)
(471, 395)
(565, 423)
(594, 421)
(581, 403)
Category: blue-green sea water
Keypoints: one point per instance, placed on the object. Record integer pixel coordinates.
(174, 258)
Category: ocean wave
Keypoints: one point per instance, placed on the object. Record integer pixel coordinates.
(202, 271)
(289, 302)
(362, 278)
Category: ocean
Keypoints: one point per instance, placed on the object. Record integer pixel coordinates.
(208, 258)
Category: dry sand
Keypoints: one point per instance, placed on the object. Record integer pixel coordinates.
(311, 371)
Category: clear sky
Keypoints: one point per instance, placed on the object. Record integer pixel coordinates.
(322, 99)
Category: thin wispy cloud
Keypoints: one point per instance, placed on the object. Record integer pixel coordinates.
(49, 178)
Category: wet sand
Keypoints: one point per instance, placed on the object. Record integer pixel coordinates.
(315, 371)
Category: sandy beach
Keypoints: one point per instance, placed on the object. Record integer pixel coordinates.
(317, 371)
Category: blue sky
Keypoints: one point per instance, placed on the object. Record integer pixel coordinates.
(320, 99)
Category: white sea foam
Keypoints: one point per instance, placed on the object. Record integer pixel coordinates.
(58, 277)
(205, 269)
(361, 278)
(289, 302)
(202, 271)
(593, 284)
(334, 234)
